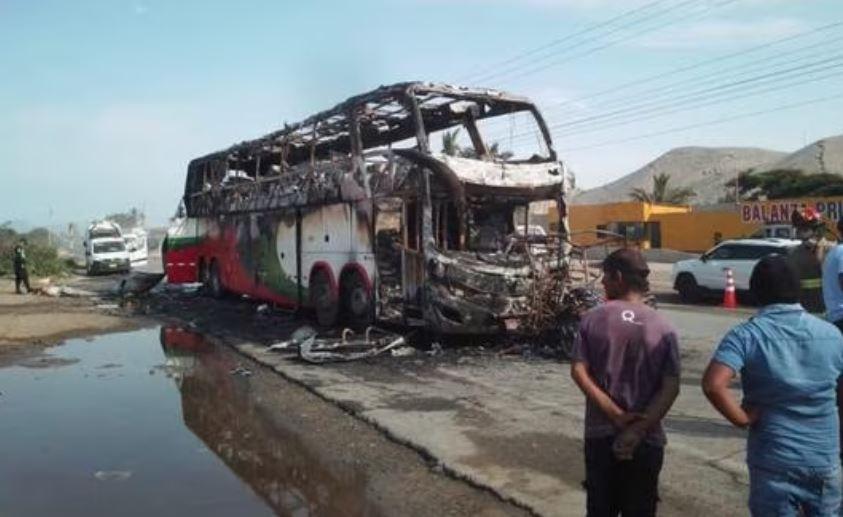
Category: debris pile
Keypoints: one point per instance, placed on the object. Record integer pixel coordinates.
(138, 284)
(346, 348)
(56, 291)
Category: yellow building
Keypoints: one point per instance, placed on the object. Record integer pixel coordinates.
(693, 229)
(682, 228)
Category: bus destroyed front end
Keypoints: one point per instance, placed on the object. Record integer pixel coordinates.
(535, 294)
(480, 294)
(509, 276)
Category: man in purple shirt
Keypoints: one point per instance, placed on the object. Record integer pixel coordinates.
(626, 362)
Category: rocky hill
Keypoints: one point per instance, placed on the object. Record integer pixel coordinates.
(703, 169)
(822, 156)
(707, 169)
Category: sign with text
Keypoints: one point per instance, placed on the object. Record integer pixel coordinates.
(778, 211)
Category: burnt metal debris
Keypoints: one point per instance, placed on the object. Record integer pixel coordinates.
(372, 151)
(345, 153)
(349, 347)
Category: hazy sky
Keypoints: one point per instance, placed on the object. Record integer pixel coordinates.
(103, 103)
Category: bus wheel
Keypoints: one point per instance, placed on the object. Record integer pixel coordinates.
(214, 282)
(322, 299)
(356, 300)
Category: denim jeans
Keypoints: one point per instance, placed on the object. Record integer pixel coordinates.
(784, 492)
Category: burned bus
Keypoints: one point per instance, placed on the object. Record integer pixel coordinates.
(397, 206)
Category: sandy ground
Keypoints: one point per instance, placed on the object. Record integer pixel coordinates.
(32, 319)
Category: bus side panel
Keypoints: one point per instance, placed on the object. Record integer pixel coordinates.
(250, 257)
(362, 243)
(256, 254)
(326, 243)
(183, 246)
(337, 238)
(275, 259)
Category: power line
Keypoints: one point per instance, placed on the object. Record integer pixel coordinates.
(707, 104)
(693, 95)
(700, 64)
(693, 100)
(706, 123)
(742, 68)
(619, 40)
(630, 24)
(597, 38)
(487, 69)
(521, 138)
(708, 77)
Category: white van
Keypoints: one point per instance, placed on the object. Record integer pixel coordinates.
(105, 249)
(136, 243)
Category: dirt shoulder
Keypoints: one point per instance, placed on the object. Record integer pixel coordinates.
(34, 319)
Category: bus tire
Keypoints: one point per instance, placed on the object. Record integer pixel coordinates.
(214, 285)
(322, 299)
(356, 300)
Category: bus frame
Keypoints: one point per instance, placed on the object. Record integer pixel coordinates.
(333, 214)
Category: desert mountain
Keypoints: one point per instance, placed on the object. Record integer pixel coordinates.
(822, 156)
(703, 169)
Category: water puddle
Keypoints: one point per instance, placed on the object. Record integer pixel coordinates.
(153, 422)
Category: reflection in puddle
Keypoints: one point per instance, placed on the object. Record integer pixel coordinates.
(219, 406)
(76, 441)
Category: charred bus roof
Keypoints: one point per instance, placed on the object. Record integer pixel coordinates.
(384, 116)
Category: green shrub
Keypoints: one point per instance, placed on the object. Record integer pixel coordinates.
(42, 259)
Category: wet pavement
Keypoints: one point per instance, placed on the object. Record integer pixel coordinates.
(152, 422)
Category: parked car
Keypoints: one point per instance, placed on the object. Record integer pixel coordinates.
(706, 276)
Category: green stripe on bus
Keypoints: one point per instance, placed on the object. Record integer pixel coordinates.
(177, 243)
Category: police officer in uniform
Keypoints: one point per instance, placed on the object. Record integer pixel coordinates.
(21, 274)
(808, 257)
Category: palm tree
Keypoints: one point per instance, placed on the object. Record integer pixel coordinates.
(451, 148)
(661, 193)
(495, 152)
(449, 143)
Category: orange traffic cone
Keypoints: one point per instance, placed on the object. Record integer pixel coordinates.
(730, 299)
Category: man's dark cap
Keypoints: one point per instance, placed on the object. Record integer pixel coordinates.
(627, 260)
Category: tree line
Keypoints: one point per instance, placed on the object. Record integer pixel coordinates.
(750, 186)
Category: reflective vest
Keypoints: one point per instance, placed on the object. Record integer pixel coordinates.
(808, 258)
